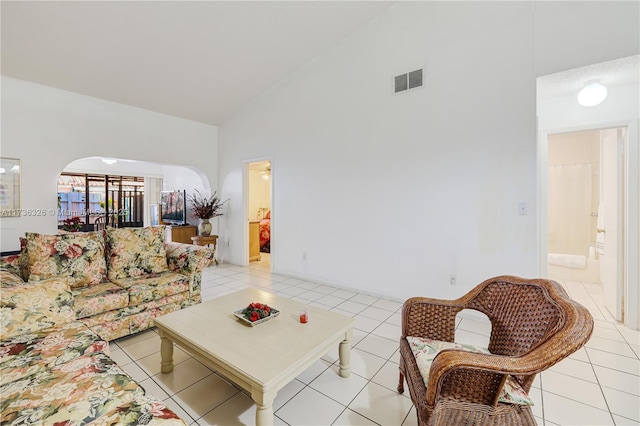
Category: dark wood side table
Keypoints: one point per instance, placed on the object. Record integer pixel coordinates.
(180, 234)
(206, 241)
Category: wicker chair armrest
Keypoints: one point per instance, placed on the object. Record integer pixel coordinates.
(479, 377)
(430, 318)
(475, 376)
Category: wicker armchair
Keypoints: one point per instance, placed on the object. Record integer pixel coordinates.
(534, 325)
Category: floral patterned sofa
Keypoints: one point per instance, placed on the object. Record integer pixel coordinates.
(81, 290)
(121, 279)
(55, 371)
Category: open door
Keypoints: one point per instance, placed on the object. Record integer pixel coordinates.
(259, 212)
(610, 237)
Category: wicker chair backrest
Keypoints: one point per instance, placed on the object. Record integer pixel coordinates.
(523, 315)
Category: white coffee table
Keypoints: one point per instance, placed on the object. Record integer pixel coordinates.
(261, 359)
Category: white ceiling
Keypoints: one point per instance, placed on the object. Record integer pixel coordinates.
(200, 60)
(619, 72)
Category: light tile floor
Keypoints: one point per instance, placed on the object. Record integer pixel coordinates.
(598, 385)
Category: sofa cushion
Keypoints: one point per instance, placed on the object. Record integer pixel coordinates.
(109, 330)
(132, 252)
(26, 354)
(142, 410)
(146, 318)
(425, 350)
(99, 298)
(78, 255)
(151, 287)
(87, 388)
(117, 323)
(33, 306)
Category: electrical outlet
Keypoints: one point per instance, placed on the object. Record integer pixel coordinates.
(453, 279)
(522, 208)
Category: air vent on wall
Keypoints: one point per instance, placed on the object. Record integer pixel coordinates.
(401, 83)
(407, 81)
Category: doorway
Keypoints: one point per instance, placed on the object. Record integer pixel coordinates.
(585, 210)
(558, 111)
(259, 213)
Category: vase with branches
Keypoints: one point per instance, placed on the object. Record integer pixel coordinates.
(205, 208)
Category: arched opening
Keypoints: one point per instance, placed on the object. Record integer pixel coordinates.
(120, 192)
(91, 202)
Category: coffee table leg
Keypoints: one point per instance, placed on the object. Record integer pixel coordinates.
(344, 352)
(264, 407)
(264, 415)
(166, 354)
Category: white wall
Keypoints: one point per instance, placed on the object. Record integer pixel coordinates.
(48, 128)
(392, 194)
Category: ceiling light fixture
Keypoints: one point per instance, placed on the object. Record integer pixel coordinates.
(109, 161)
(593, 93)
(266, 173)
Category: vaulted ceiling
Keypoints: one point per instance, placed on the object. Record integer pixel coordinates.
(198, 60)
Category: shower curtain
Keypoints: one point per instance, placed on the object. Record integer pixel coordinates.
(569, 215)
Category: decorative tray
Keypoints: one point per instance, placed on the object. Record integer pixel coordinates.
(274, 313)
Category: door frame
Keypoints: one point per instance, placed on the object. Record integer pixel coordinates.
(631, 269)
(245, 209)
(619, 152)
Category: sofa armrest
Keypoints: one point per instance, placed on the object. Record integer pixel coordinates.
(189, 260)
(33, 306)
(9, 279)
(13, 264)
